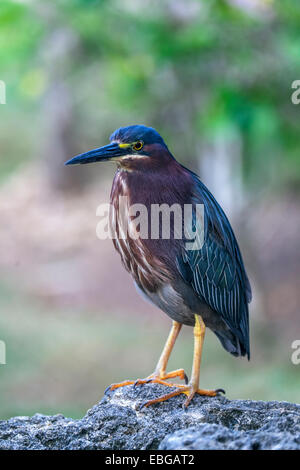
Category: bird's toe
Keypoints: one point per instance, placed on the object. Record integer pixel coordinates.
(220, 391)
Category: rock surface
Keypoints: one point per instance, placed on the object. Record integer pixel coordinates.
(115, 423)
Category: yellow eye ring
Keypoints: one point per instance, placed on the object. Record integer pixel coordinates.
(138, 145)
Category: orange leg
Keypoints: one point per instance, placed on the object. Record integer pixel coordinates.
(160, 374)
(192, 387)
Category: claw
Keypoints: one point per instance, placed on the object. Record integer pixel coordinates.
(220, 391)
(149, 381)
(141, 406)
(142, 382)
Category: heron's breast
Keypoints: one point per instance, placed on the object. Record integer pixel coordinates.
(148, 270)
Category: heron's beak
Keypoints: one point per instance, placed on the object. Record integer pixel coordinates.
(112, 152)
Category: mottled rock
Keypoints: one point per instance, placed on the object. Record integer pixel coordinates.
(116, 423)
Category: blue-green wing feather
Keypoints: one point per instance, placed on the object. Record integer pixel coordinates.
(216, 270)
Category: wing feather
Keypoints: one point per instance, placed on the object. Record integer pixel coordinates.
(216, 270)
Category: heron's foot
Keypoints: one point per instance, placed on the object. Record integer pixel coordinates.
(161, 377)
(156, 377)
(189, 390)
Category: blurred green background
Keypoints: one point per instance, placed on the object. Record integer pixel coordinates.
(215, 79)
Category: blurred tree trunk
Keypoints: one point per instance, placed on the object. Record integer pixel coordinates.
(58, 54)
(221, 170)
(57, 144)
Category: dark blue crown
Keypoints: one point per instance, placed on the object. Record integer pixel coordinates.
(138, 132)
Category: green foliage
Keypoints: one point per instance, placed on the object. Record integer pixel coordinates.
(189, 68)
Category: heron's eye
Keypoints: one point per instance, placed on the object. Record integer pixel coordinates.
(138, 145)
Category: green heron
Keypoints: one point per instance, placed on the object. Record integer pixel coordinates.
(206, 286)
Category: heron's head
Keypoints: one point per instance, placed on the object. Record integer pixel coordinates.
(132, 147)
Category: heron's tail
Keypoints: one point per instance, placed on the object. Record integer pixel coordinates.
(232, 343)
